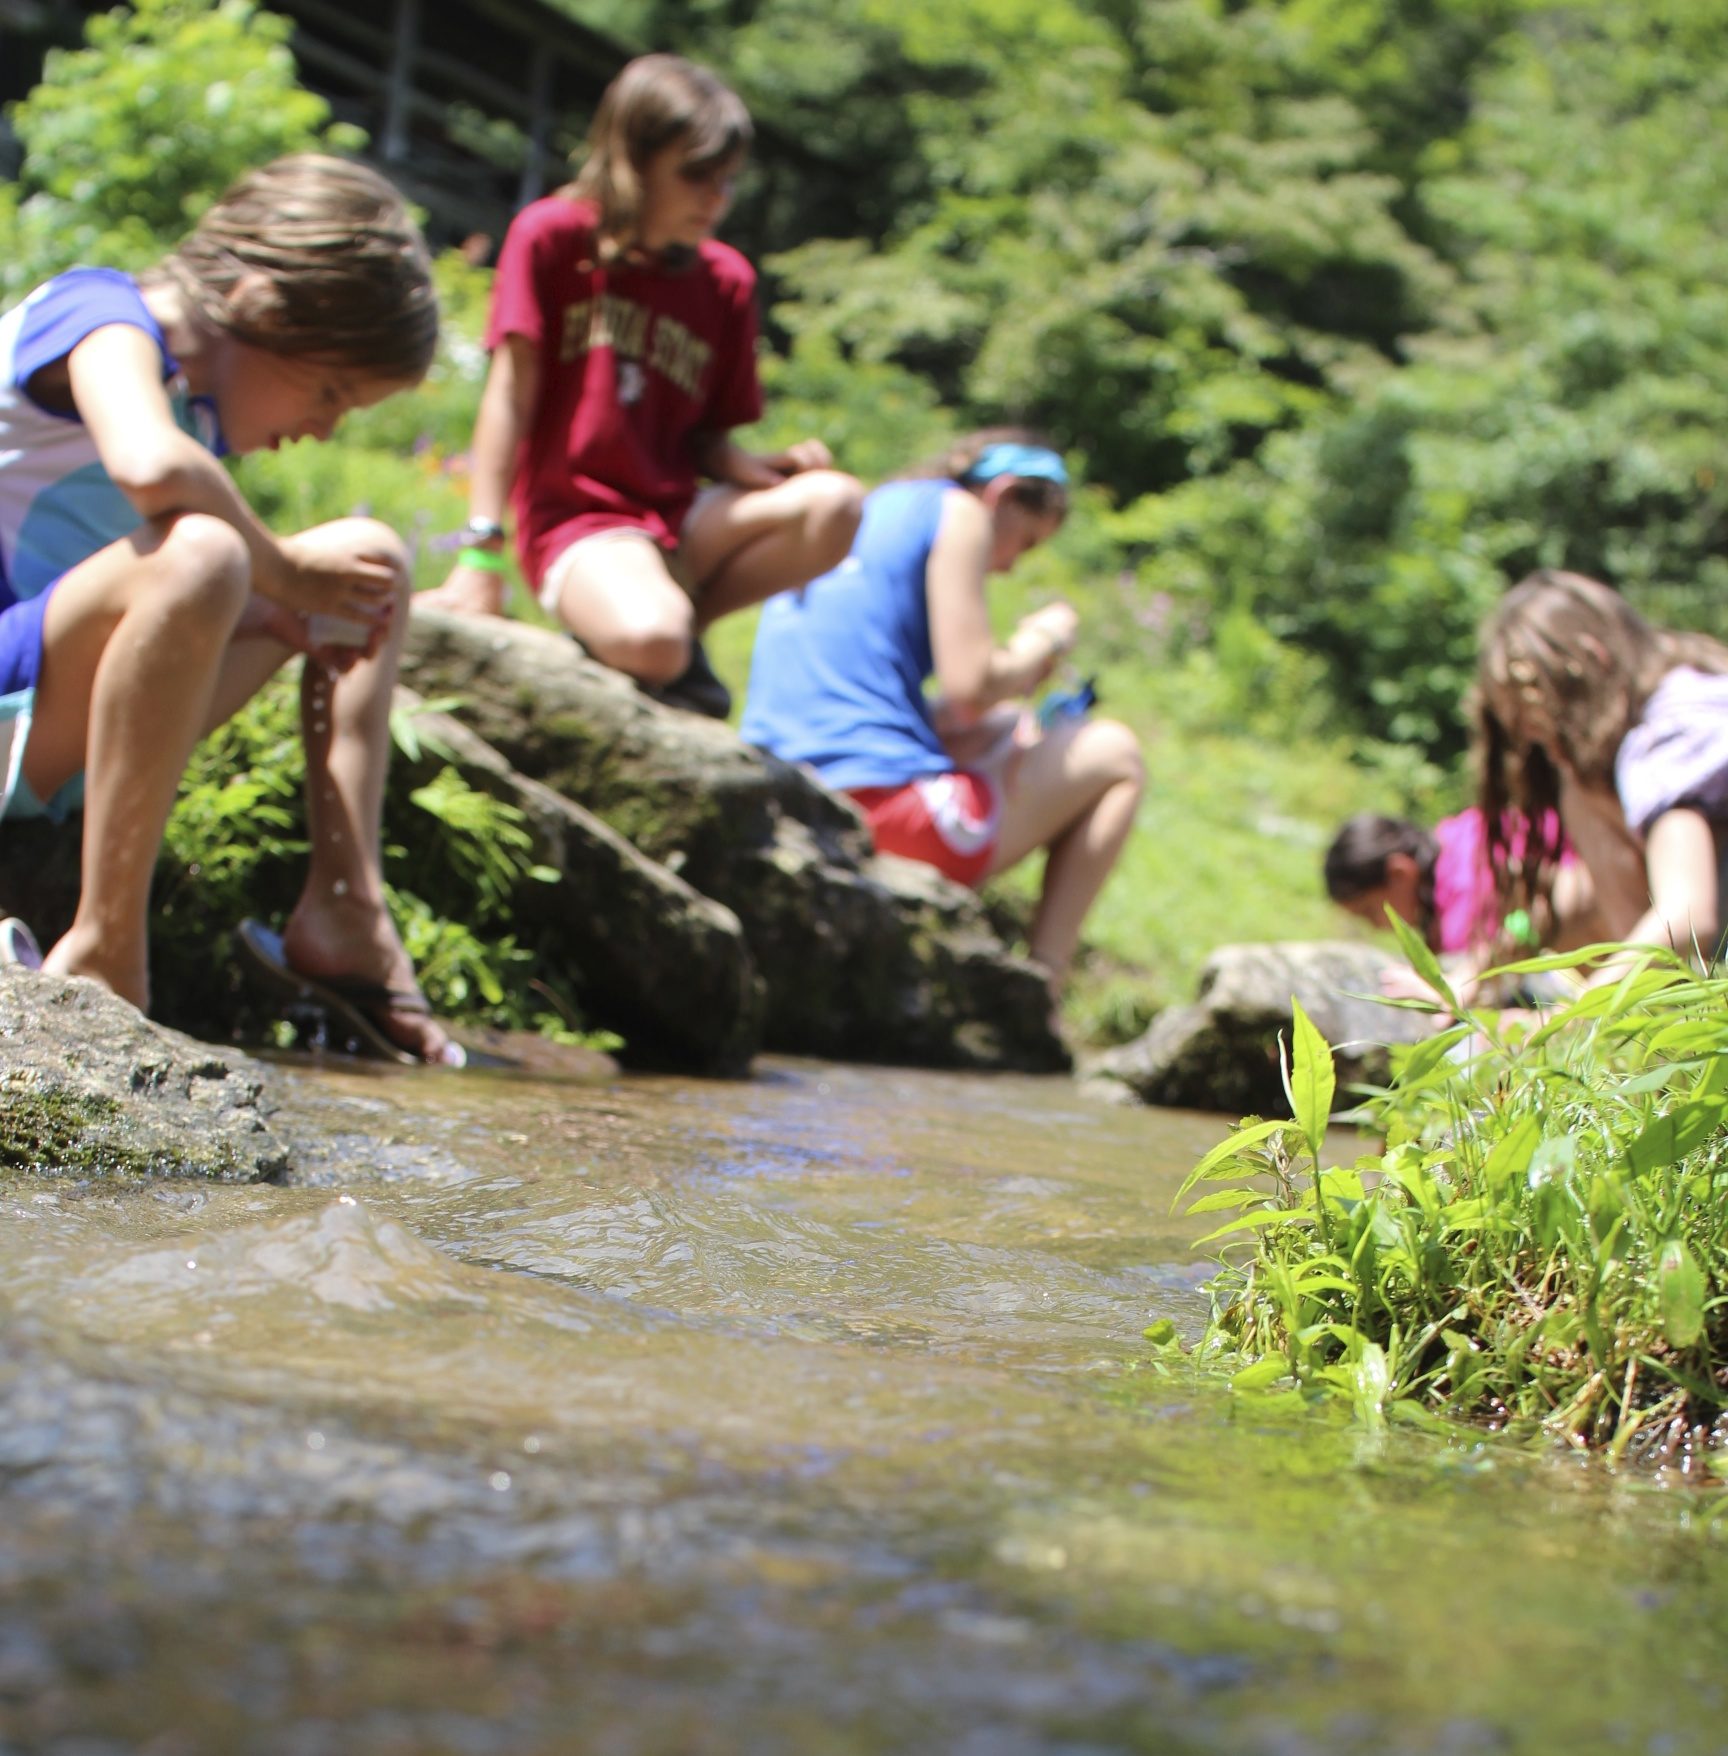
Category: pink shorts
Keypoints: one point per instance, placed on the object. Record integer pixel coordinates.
(949, 821)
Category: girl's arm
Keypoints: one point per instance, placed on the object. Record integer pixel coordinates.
(115, 377)
(972, 672)
(507, 407)
(1680, 862)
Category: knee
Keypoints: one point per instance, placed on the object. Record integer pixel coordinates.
(652, 651)
(832, 509)
(374, 538)
(1116, 752)
(208, 568)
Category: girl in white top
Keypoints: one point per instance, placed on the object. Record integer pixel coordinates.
(1586, 707)
(141, 599)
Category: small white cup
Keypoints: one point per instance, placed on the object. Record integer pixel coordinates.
(336, 630)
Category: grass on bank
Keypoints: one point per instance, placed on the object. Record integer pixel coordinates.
(1540, 1243)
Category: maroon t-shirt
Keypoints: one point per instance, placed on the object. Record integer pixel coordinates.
(634, 359)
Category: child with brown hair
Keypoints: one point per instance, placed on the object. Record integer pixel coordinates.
(972, 783)
(623, 340)
(141, 599)
(1440, 882)
(1591, 716)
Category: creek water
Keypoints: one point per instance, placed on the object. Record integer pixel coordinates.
(804, 1415)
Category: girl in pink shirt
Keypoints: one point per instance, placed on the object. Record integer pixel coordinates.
(1442, 882)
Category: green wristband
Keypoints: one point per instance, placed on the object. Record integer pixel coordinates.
(487, 560)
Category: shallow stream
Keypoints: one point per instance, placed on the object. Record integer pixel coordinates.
(808, 1415)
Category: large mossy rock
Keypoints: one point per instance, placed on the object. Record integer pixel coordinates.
(861, 957)
(710, 900)
(1221, 1052)
(89, 1087)
(665, 966)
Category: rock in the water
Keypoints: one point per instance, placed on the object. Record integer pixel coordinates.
(862, 957)
(90, 1087)
(1221, 1052)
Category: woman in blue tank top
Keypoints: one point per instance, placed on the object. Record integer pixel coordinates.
(968, 783)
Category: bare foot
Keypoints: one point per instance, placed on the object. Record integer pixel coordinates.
(122, 969)
(354, 937)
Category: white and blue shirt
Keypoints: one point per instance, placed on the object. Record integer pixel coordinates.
(57, 504)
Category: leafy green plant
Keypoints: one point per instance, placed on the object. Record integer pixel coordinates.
(454, 859)
(1540, 1242)
(128, 139)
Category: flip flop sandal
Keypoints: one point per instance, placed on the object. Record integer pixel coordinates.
(18, 945)
(351, 1006)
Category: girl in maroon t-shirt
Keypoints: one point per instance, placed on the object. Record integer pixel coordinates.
(623, 342)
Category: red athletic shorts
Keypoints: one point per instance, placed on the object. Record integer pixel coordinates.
(949, 821)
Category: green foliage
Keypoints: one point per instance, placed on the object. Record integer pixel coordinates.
(1542, 1239)
(129, 139)
(1344, 310)
(454, 859)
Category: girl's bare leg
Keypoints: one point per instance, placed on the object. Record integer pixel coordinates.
(741, 546)
(132, 642)
(1074, 792)
(341, 926)
(617, 596)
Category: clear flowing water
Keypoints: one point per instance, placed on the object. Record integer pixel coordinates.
(808, 1415)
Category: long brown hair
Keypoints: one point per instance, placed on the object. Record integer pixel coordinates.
(656, 102)
(316, 258)
(1574, 652)
(1038, 496)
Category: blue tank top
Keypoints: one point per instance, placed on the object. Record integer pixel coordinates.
(837, 679)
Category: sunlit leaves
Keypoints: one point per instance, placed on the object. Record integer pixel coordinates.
(1546, 1231)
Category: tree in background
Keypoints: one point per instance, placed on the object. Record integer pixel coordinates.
(130, 138)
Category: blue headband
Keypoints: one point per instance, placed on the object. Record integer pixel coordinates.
(1019, 460)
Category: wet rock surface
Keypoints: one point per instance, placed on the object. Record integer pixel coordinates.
(1221, 1051)
(860, 957)
(665, 966)
(89, 1086)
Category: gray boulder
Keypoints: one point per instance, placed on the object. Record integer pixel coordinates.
(89, 1087)
(1221, 1052)
(861, 957)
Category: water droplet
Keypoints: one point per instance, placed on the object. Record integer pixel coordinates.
(346, 1201)
(314, 1441)
(500, 1479)
(531, 1444)
(191, 1261)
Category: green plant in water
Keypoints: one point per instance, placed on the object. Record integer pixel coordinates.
(1540, 1242)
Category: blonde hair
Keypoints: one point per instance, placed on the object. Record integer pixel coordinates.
(316, 258)
(1573, 649)
(656, 102)
(1038, 496)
